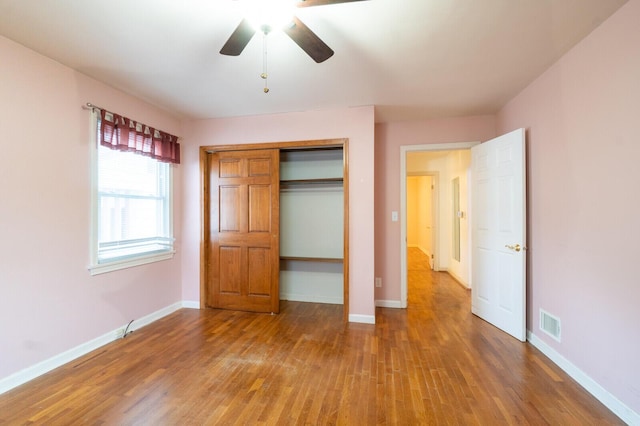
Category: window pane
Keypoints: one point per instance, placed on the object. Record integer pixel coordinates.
(133, 205)
(127, 173)
(123, 218)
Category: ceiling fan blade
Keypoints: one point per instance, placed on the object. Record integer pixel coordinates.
(238, 39)
(308, 3)
(308, 41)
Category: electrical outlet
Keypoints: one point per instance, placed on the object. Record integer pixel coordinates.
(378, 282)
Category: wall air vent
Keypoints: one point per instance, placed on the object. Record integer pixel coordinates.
(550, 324)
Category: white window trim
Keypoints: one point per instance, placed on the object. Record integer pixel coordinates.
(101, 268)
(96, 268)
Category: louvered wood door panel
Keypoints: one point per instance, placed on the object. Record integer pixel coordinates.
(244, 230)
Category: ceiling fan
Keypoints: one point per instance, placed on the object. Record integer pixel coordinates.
(296, 29)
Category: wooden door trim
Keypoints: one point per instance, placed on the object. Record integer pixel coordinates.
(345, 262)
(321, 143)
(205, 202)
(205, 247)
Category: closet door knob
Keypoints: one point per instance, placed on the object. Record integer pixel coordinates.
(514, 248)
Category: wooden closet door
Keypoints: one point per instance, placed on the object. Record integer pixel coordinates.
(244, 230)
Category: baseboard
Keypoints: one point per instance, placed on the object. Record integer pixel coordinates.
(364, 319)
(601, 394)
(424, 251)
(154, 316)
(389, 304)
(191, 304)
(30, 373)
(458, 279)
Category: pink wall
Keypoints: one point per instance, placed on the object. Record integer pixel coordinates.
(48, 301)
(582, 120)
(357, 124)
(389, 138)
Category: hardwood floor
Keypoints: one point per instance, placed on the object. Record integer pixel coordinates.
(433, 363)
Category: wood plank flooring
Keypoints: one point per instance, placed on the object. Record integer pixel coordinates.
(433, 363)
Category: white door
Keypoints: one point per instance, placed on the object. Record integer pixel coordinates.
(498, 292)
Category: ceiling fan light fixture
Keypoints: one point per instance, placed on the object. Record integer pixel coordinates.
(267, 15)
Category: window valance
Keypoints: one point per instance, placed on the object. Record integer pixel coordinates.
(124, 134)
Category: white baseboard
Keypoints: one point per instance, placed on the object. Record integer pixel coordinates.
(389, 304)
(364, 319)
(191, 304)
(154, 316)
(601, 394)
(425, 251)
(457, 278)
(30, 373)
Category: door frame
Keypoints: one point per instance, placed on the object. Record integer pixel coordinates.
(205, 203)
(404, 149)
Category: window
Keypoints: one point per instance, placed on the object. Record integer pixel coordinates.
(132, 210)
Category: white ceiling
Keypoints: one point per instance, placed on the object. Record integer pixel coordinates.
(412, 59)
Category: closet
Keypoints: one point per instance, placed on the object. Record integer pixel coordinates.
(312, 225)
(274, 225)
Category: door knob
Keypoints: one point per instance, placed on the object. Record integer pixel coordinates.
(514, 248)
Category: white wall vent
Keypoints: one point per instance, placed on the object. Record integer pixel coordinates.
(550, 324)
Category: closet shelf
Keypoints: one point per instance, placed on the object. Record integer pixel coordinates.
(313, 259)
(321, 181)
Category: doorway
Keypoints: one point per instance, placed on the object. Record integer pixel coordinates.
(413, 164)
(422, 220)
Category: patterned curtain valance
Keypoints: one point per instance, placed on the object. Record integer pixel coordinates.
(124, 134)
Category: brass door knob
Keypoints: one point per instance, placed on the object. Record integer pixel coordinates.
(514, 248)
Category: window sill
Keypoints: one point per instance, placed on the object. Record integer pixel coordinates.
(116, 265)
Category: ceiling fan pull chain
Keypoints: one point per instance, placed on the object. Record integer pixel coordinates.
(264, 74)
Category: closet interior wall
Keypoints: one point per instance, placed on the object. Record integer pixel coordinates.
(312, 208)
